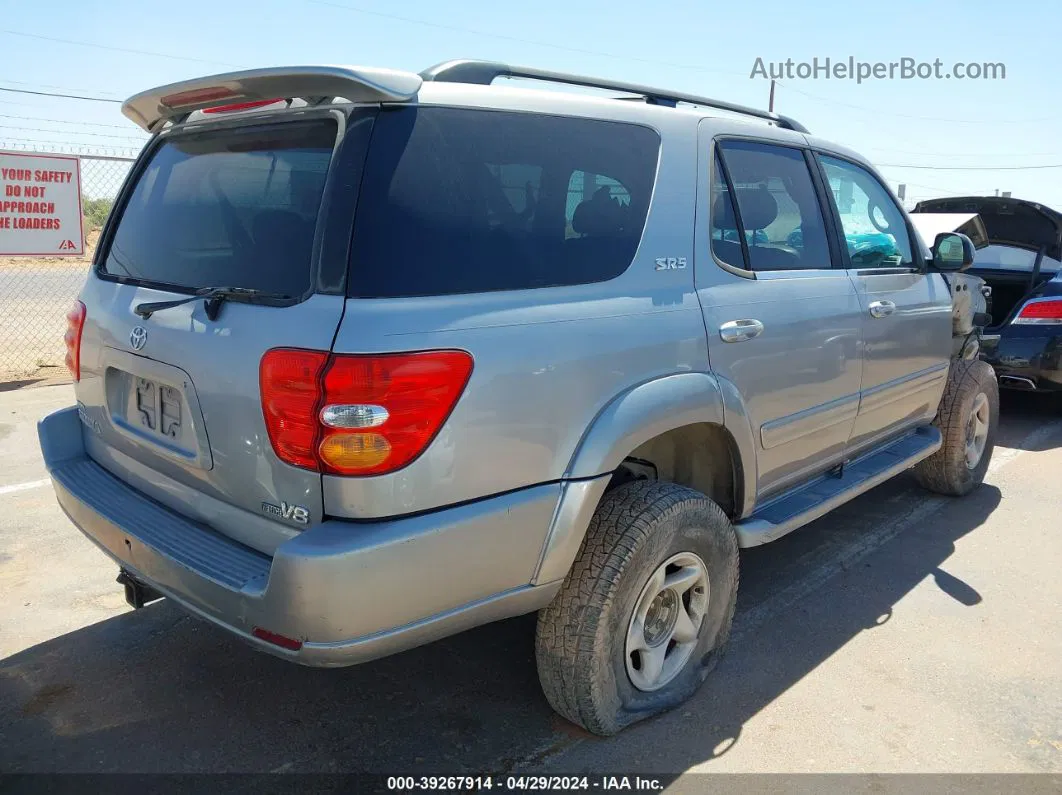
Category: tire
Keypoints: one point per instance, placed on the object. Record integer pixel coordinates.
(948, 471)
(582, 636)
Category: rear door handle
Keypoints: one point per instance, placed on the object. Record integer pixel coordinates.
(882, 308)
(740, 330)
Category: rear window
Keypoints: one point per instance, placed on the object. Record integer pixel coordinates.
(461, 201)
(228, 208)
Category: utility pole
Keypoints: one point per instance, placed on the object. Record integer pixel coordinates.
(770, 104)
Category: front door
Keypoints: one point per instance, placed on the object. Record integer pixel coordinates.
(906, 311)
(784, 326)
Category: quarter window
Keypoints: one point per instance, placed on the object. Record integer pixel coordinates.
(465, 201)
(779, 210)
(726, 240)
(874, 228)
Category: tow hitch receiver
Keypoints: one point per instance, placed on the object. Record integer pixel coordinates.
(137, 594)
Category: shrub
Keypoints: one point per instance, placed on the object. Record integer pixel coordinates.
(96, 211)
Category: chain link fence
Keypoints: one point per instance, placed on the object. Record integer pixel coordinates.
(36, 292)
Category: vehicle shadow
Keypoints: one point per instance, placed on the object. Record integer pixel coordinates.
(1023, 413)
(156, 690)
(788, 643)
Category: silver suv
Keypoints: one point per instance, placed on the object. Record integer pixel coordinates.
(367, 358)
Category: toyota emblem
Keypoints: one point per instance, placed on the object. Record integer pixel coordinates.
(138, 338)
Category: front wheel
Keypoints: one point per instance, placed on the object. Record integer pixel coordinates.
(967, 419)
(645, 611)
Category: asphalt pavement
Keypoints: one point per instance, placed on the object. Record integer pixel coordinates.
(904, 632)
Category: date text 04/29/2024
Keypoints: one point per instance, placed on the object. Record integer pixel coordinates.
(519, 783)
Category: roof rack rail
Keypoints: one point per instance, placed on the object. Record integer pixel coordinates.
(486, 72)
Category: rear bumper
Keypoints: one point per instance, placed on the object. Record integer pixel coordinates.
(349, 591)
(1028, 358)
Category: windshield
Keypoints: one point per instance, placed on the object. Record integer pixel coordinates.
(233, 208)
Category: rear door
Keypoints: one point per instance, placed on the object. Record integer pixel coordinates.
(906, 311)
(783, 324)
(172, 401)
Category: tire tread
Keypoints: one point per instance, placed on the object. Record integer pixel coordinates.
(941, 472)
(569, 629)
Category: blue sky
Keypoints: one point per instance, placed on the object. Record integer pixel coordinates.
(707, 48)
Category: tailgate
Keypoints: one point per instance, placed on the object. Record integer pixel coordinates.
(172, 400)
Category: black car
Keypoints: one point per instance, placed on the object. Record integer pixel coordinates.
(1022, 263)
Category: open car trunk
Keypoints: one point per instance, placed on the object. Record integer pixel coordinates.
(1023, 251)
(1009, 292)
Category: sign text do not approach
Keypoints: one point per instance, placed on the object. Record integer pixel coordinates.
(40, 205)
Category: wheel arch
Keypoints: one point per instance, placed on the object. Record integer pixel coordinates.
(681, 420)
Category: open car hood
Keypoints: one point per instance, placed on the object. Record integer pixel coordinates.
(931, 224)
(1008, 222)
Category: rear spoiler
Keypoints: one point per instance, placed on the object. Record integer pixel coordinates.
(150, 109)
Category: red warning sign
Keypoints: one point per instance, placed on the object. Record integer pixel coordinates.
(40, 205)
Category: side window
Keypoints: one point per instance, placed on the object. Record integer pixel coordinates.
(521, 185)
(874, 228)
(779, 209)
(456, 201)
(584, 187)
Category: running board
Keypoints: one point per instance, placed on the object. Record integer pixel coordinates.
(796, 508)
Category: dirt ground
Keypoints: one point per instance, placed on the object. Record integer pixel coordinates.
(91, 238)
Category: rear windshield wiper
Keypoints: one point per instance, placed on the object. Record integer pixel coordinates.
(214, 296)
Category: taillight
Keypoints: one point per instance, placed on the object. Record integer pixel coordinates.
(1045, 311)
(258, 103)
(358, 414)
(75, 324)
(290, 381)
(197, 96)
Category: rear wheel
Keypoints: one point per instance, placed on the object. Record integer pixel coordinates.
(967, 419)
(645, 611)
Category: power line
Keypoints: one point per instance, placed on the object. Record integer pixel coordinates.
(71, 132)
(963, 154)
(47, 85)
(934, 188)
(68, 143)
(879, 116)
(126, 127)
(65, 96)
(95, 46)
(22, 104)
(971, 168)
(534, 42)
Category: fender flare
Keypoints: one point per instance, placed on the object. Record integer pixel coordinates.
(630, 419)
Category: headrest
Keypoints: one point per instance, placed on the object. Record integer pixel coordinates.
(723, 212)
(599, 215)
(759, 208)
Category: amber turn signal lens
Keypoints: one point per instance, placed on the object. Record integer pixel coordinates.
(349, 452)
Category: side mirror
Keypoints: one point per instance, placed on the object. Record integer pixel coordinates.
(952, 251)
